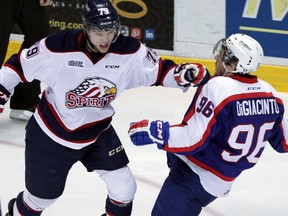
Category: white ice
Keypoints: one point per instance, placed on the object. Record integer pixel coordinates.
(260, 191)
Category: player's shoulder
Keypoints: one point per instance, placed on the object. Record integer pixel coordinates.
(238, 83)
(233, 80)
(64, 41)
(264, 83)
(220, 81)
(125, 45)
(221, 87)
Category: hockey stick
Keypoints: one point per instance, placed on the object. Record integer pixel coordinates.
(0, 208)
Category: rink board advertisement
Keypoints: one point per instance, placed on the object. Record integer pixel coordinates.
(150, 21)
(266, 21)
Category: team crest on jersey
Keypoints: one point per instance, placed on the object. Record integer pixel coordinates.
(93, 92)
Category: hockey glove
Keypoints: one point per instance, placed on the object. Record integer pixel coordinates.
(186, 74)
(148, 132)
(4, 97)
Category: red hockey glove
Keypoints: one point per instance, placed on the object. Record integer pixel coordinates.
(148, 132)
(4, 97)
(186, 74)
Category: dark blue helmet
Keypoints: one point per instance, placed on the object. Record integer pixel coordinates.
(101, 15)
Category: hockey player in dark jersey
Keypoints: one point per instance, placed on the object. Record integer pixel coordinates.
(224, 131)
(84, 70)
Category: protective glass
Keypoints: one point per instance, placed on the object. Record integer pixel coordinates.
(228, 56)
(103, 29)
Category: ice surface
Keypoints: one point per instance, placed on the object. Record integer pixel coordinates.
(261, 191)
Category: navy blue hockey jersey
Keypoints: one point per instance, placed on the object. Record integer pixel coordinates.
(226, 128)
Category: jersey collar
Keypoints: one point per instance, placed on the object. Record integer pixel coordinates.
(245, 78)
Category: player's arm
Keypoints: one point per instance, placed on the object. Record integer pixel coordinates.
(4, 97)
(279, 133)
(183, 75)
(193, 134)
(158, 132)
(31, 61)
(279, 138)
(9, 78)
(153, 70)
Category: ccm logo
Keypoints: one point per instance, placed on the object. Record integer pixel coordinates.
(116, 150)
(112, 66)
(159, 129)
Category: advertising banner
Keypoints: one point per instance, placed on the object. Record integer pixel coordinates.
(150, 21)
(264, 20)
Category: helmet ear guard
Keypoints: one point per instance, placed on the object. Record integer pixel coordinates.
(242, 51)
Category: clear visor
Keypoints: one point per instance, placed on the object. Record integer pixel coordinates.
(227, 56)
(108, 30)
(219, 45)
(101, 29)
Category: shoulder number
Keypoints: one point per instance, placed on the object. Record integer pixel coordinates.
(151, 56)
(34, 50)
(205, 107)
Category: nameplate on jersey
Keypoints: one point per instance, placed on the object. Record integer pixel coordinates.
(267, 106)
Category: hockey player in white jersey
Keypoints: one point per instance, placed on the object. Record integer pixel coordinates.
(84, 70)
(224, 131)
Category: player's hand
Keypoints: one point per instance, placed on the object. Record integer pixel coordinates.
(4, 97)
(1, 109)
(148, 132)
(193, 74)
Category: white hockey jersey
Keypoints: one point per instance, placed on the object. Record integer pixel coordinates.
(226, 128)
(76, 106)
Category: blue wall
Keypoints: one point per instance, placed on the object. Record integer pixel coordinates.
(265, 20)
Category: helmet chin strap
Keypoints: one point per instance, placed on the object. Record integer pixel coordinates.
(89, 45)
(116, 35)
(226, 69)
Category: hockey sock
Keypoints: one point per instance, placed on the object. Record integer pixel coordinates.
(23, 208)
(114, 208)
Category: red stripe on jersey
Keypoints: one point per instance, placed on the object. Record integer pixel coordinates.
(90, 131)
(206, 133)
(284, 141)
(208, 168)
(21, 75)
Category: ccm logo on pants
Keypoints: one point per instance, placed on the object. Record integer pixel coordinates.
(116, 150)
